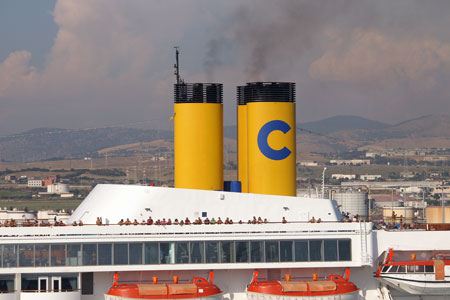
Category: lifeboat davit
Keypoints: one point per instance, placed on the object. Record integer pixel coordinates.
(417, 277)
(199, 288)
(334, 288)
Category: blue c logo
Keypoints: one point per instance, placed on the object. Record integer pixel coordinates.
(263, 135)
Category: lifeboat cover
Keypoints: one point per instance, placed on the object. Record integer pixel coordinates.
(322, 286)
(152, 289)
(179, 289)
(293, 286)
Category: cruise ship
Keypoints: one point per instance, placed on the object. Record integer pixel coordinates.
(253, 238)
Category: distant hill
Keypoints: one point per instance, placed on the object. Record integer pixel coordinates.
(339, 123)
(328, 135)
(54, 143)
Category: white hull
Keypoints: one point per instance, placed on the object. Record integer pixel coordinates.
(416, 287)
(260, 296)
(214, 297)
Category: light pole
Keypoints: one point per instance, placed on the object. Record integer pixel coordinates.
(323, 182)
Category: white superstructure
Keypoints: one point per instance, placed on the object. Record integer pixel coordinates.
(78, 262)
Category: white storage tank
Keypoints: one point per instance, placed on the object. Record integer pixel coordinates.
(58, 188)
(353, 202)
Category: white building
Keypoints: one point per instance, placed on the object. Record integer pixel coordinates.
(368, 177)
(34, 182)
(343, 176)
(350, 162)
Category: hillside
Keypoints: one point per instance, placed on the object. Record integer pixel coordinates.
(53, 143)
(332, 134)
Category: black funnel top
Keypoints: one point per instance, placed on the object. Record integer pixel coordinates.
(266, 92)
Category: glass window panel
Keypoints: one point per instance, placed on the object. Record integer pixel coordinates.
(58, 254)
(315, 250)
(104, 254)
(420, 269)
(29, 282)
(197, 252)
(121, 254)
(301, 251)
(226, 252)
(330, 250)
(41, 255)
(26, 255)
(385, 268)
(401, 269)
(151, 253)
(410, 269)
(286, 250)
(429, 269)
(393, 269)
(74, 255)
(212, 252)
(182, 253)
(257, 251)
(272, 251)
(89, 254)
(242, 252)
(6, 283)
(69, 282)
(345, 250)
(167, 253)
(10, 256)
(135, 253)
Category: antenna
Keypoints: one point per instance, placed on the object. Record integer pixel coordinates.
(177, 65)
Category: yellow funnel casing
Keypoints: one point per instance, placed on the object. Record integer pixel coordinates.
(199, 146)
(271, 148)
(242, 147)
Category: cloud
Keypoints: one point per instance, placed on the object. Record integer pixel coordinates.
(373, 56)
(14, 70)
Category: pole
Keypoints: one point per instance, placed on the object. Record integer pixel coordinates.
(323, 182)
(392, 198)
(443, 204)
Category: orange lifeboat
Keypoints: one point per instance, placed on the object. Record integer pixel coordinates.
(199, 288)
(335, 287)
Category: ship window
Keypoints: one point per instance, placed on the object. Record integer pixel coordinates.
(272, 251)
(73, 255)
(69, 282)
(197, 252)
(104, 254)
(120, 254)
(10, 256)
(58, 254)
(29, 282)
(135, 253)
(420, 269)
(167, 253)
(151, 253)
(393, 269)
(301, 251)
(242, 251)
(41, 255)
(286, 250)
(410, 269)
(315, 250)
(345, 250)
(257, 251)
(212, 252)
(330, 250)
(26, 255)
(226, 252)
(89, 254)
(401, 269)
(6, 283)
(384, 270)
(429, 269)
(182, 253)
(87, 283)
